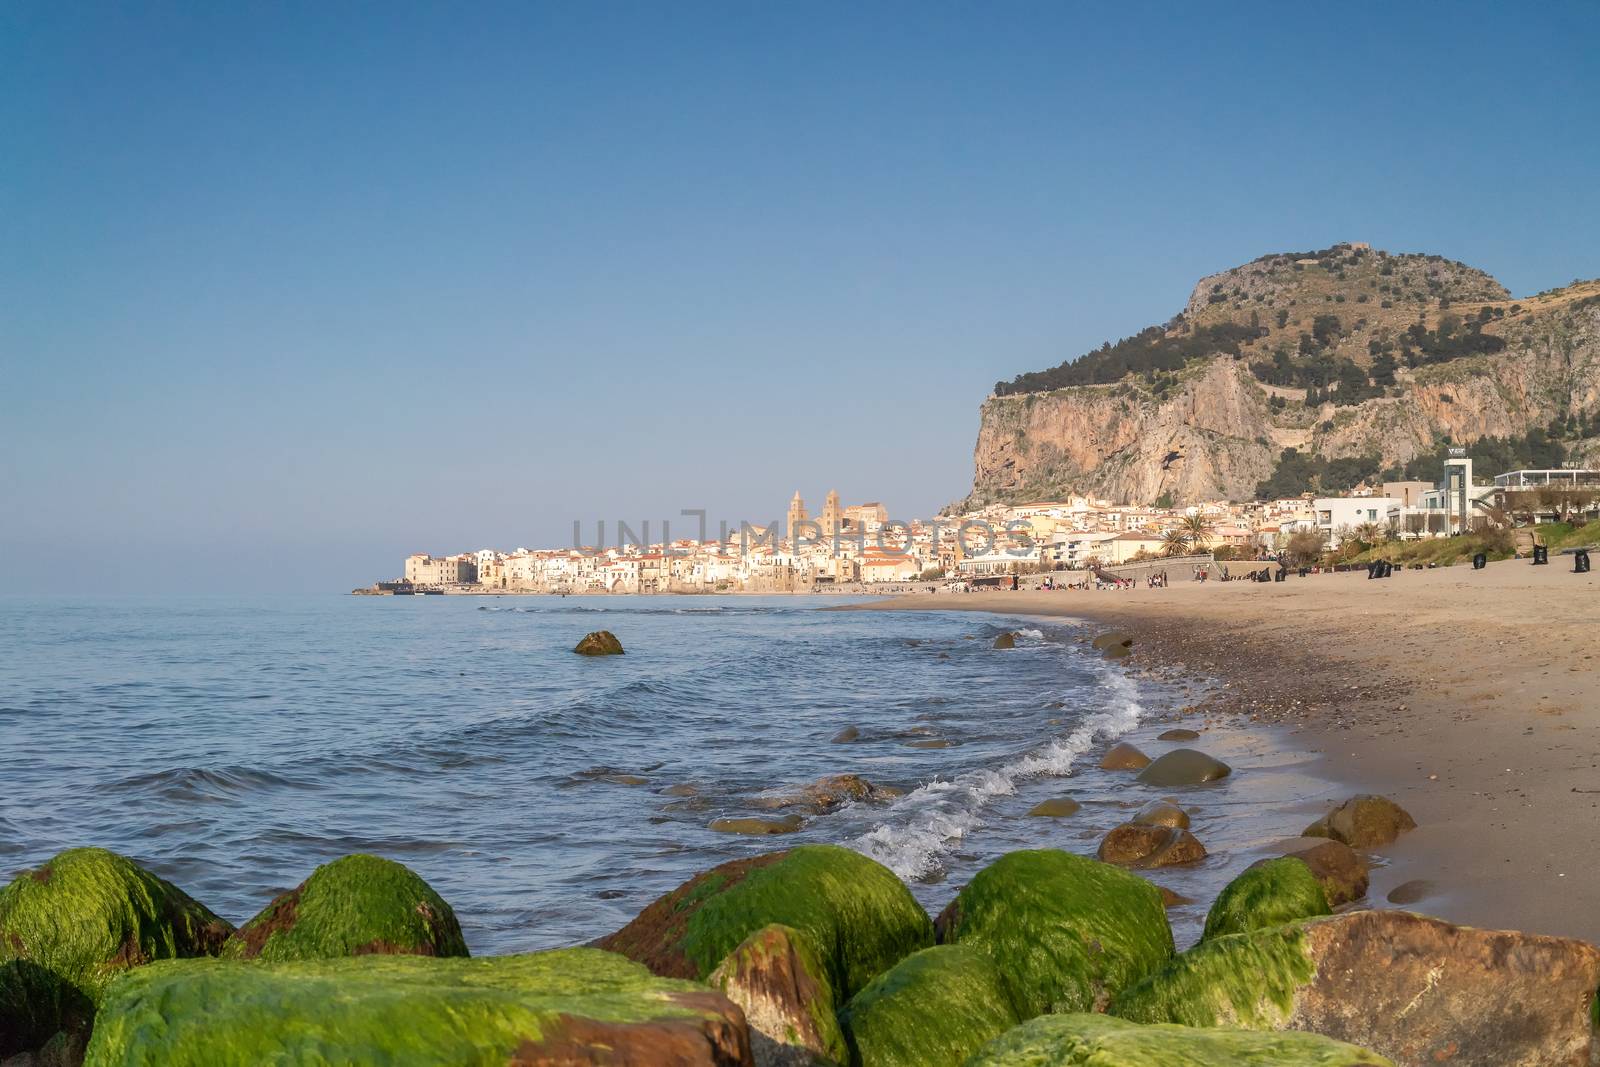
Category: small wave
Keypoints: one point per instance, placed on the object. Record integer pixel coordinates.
(940, 814)
(207, 783)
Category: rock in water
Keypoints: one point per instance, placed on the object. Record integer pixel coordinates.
(776, 976)
(356, 905)
(75, 923)
(848, 734)
(1112, 639)
(1102, 1041)
(1340, 869)
(855, 911)
(1055, 807)
(1276, 892)
(1184, 766)
(569, 1006)
(1410, 892)
(1123, 757)
(1142, 845)
(1006, 640)
(1065, 931)
(836, 790)
(1365, 821)
(786, 825)
(1418, 990)
(934, 1008)
(1179, 735)
(1162, 813)
(599, 643)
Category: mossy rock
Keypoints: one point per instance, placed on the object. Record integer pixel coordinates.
(1101, 1041)
(1246, 980)
(860, 916)
(356, 905)
(1066, 932)
(935, 1008)
(75, 923)
(599, 643)
(777, 978)
(1271, 894)
(1184, 766)
(567, 1006)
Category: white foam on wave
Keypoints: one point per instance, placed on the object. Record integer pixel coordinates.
(929, 821)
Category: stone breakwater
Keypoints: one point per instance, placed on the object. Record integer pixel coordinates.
(815, 955)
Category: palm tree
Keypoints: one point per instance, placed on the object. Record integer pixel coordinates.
(1174, 543)
(1372, 534)
(1198, 528)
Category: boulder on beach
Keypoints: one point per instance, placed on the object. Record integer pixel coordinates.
(1179, 734)
(1340, 869)
(76, 922)
(1067, 932)
(855, 911)
(1273, 893)
(1123, 757)
(1364, 821)
(599, 643)
(1418, 990)
(934, 1008)
(356, 905)
(569, 1006)
(1006, 640)
(1103, 1041)
(1142, 845)
(1184, 766)
(1162, 813)
(1112, 639)
(788, 824)
(1055, 808)
(777, 978)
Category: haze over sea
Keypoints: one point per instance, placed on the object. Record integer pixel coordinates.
(232, 744)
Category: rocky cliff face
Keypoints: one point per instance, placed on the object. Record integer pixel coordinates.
(1216, 425)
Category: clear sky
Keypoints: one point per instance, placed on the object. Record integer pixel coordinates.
(288, 291)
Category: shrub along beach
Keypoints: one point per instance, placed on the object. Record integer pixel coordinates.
(820, 955)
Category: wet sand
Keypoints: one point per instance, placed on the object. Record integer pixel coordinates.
(1471, 698)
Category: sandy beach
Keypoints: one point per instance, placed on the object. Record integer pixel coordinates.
(1471, 698)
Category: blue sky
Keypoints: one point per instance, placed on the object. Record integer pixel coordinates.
(287, 291)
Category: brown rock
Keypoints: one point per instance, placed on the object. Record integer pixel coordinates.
(1179, 735)
(1055, 807)
(1112, 639)
(834, 791)
(1162, 813)
(1364, 821)
(712, 1033)
(1118, 652)
(779, 981)
(849, 733)
(1140, 845)
(682, 789)
(1170, 899)
(929, 742)
(1410, 892)
(1425, 992)
(599, 643)
(786, 825)
(1124, 757)
(1006, 640)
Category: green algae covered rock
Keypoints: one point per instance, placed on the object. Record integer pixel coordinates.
(776, 976)
(1066, 932)
(354, 906)
(934, 1008)
(1101, 1041)
(567, 1006)
(76, 922)
(854, 910)
(1246, 980)
(1271, 894)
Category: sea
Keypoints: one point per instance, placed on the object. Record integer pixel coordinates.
(232, 744)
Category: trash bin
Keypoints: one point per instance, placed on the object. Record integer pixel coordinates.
(1480, 561)
(1580, 561)
(1541, 555)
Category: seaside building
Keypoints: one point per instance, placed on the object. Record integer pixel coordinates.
(433, 571)
(1337, 515)
(797, 514)
(830, 518)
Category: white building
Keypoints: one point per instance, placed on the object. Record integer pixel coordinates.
(1335, 514)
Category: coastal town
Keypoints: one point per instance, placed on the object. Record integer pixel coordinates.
(861, 546)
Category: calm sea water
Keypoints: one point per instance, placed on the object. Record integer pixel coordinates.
(233, 744)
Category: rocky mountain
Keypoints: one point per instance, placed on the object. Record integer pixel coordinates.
(1302, 371)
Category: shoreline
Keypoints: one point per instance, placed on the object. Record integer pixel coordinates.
(1469, 698)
